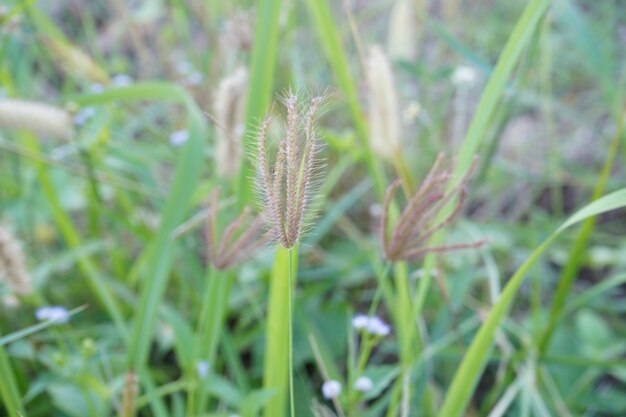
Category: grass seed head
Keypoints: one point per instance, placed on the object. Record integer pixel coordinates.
(12, 264)
(39, 118)
(287, 183)
(421, 218)
(384, 114)
(229, 108)
(240, 239)
(404, 33)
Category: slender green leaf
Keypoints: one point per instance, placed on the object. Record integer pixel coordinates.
(468, 373)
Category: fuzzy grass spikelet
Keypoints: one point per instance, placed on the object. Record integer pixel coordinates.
(12, 264)
(420, 219)
(240, 239)
(287, 184)
(39, 118)
(229, 108)
(384, 114)
(404, 32)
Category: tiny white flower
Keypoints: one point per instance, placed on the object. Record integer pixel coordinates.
(121, 80)
(360, 321)
(331, 389)
(184, 67)
(363, 384)
(179, 137)
(464, 76)
(412, 112)
(85, 114)
(194, 78)
(56, 314)
(378, 327)
(202, 369)
(96, 88)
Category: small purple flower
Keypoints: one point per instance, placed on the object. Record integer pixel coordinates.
(96, 88)
(184, 67)
(363, 384)
(202, 369)
(194, 78)
(179, 137)
(56, 314)
(82, 116)
(121, 80)
(360, 321)
(331, 389)
(371, 324)
(378, 327)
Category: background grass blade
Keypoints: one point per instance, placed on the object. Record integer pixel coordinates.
(473, 363)
(264, 52)
(159, 253)
(8, 387)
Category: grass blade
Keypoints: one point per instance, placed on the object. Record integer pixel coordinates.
(468, 373)
(261, 80)
(8, 387)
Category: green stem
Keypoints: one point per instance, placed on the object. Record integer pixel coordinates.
(291, 395)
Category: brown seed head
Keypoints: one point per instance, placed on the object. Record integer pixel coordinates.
(287, 185)
(240, 239)
(420, 219)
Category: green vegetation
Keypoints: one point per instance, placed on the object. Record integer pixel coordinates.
(159, 255)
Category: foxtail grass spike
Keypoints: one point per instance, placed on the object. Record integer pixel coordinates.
(229, 108)
(12, 264)
(39, 118)
(384, 114)
(287, 185)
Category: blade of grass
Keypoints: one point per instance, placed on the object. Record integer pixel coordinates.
(521, 35)
(472, 365)
(210, 327)
(327, 30)
(264, 52)
(570, 271)
(8, 387)
(158, 255)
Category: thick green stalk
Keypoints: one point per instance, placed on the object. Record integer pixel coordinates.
(291, 395)
(276, 370)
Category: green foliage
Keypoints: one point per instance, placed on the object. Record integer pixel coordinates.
(111, 219)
